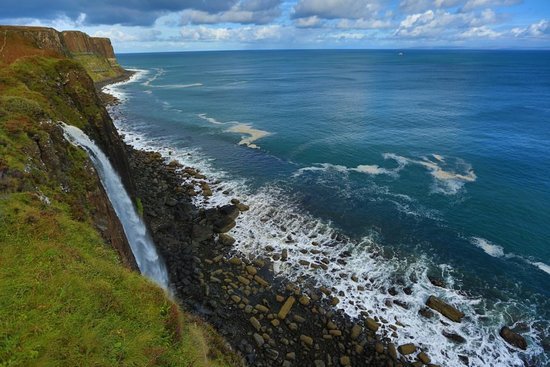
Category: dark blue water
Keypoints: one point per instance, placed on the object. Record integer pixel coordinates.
(433, 157)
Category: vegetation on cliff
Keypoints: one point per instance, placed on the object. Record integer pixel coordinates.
(65, 297)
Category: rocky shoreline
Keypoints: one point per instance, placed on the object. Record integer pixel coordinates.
(269, 320)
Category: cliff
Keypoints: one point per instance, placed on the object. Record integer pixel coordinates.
(70, 295)
(95, 54)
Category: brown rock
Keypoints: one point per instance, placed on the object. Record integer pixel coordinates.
(285, 309)
(406, 349)
(307, 340)
(262, 308)
(356, 331)
(226, 239)
(371, 324)
(423, 357)
(345, 361)
(304, 300)
(513, 338)
(445, 309)
(261, 281)
(254, 321)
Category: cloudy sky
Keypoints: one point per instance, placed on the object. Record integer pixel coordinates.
(174, 25)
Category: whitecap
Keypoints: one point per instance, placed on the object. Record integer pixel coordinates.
(273, 217)
(178, 86)
(542, 266)
(487, 246)
(148, 82)
(210, 119)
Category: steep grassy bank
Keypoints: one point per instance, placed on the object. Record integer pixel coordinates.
(68, 294)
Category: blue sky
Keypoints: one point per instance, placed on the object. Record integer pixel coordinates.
(178, 25)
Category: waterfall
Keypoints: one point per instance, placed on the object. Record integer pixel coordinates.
(149, 262)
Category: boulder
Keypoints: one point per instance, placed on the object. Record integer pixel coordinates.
(424, 358)
(356, 331)
(225, 239)
(285, 309)
(371, 324)
(224, 224)
(445, 309)
(230, 211)
(406, 349)
(200, 233)
(513, 338)
(454, 337)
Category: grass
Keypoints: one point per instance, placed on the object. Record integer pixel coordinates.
(65, 298)
(98, 68)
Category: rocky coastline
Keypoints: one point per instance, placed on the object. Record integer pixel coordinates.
(269, 320)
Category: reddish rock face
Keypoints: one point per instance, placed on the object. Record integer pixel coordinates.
(79, 42)
(17, 42)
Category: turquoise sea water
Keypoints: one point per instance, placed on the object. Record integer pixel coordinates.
(424, 163)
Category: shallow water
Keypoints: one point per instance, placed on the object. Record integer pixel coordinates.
(431, 163)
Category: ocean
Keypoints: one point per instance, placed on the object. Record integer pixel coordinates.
(403, 166)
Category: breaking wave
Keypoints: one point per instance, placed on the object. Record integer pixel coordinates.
(364, 278)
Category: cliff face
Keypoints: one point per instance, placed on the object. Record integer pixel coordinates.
(17, 42)
(79, 42)
(95, 54)
(41, 83)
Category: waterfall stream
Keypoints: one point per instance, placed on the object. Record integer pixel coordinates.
(149, 262)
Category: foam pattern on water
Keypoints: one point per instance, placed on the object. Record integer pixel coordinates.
(275, 223)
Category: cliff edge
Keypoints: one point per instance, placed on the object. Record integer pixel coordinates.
(69, 294)
(96, 54)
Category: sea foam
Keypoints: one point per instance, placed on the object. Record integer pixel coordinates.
(275, 220)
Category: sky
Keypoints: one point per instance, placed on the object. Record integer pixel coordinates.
(187, 25)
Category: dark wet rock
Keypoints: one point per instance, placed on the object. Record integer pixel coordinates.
(230, 211)
(513, 338)
(426, 312)
(438, 282)
(445, 309)
(464, 359)
(424, 358)
(224, 224)
(453, 337)
(201, 232)
(225, 239)
(258, 339)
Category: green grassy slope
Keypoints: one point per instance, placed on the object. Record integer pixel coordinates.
(65, 298)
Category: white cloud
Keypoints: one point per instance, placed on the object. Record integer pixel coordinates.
(129, 34)
(241, 34)
(480, 32)
(536, 30)
(308, 22)
(446, 25)
(364, 23)
(476, 4)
